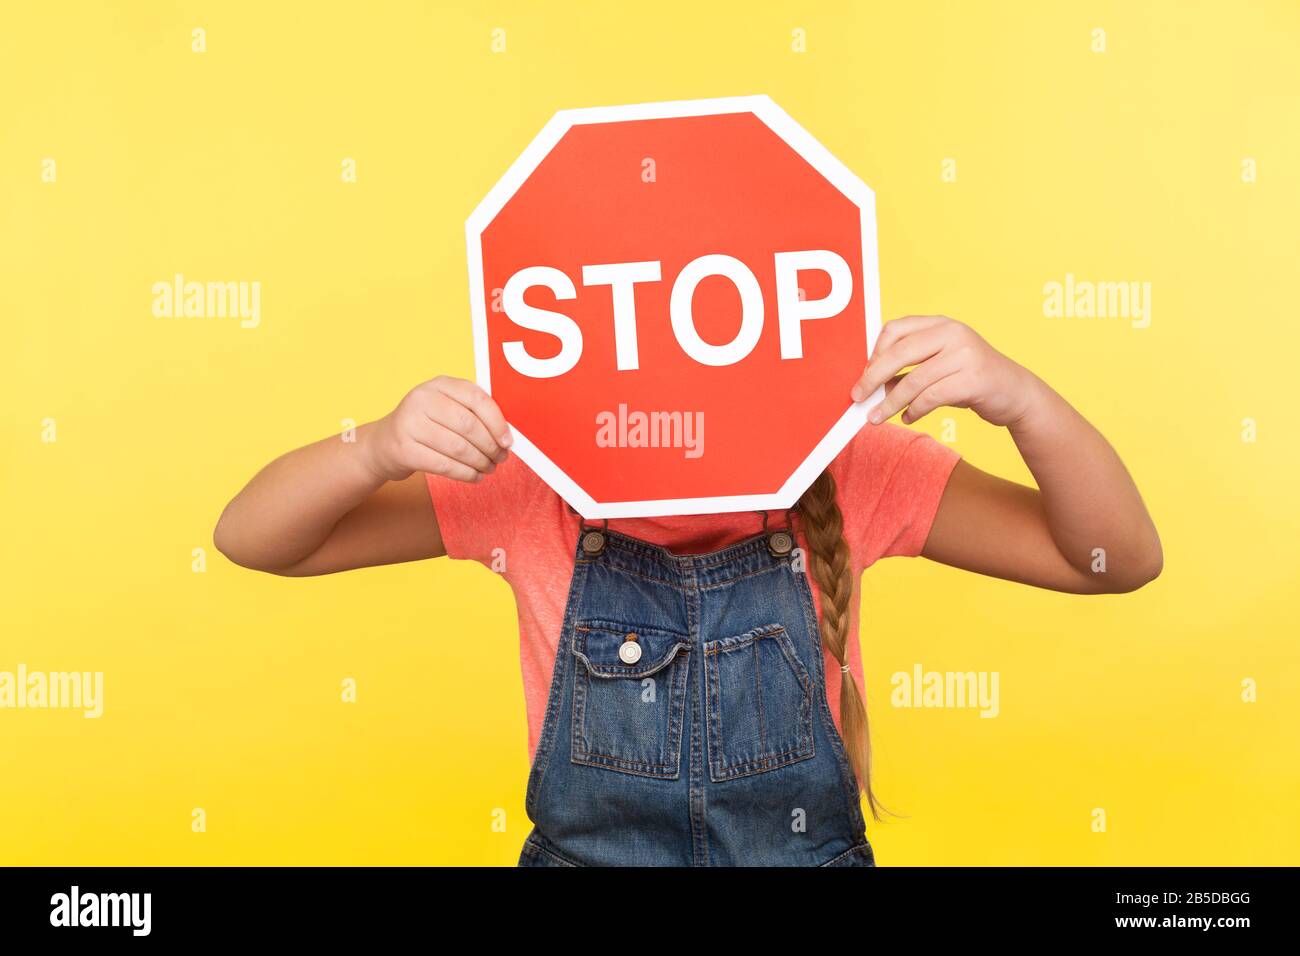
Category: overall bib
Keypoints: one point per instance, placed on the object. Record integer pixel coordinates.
(687, 722)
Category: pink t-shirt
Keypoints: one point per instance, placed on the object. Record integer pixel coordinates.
(889, 479)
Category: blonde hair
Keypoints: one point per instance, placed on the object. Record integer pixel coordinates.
(831, 567)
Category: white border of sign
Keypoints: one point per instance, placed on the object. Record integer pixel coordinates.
(798, 138)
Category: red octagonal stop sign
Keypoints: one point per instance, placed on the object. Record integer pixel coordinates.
(671, 302)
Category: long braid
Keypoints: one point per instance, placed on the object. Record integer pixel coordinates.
(831, 568)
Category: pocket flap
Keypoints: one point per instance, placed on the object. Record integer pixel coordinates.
(597, 644)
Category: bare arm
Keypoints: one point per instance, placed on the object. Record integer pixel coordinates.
(335, 505)
(1086, 513)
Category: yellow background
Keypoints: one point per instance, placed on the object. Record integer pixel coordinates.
(223, 687)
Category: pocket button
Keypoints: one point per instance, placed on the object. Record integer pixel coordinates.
(629, 652)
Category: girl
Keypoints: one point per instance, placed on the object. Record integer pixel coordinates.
(679, 672)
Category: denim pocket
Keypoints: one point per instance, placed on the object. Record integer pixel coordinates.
(628, 716)
(759, 703)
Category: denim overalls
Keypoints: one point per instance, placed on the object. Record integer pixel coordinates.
(687, 723)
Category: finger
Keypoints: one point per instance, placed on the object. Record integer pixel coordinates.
(483, 405)
(452, 415)
(910, 386)
(910, 350)
(426, 459)
(893, 383)
(946, 391)
(895, 329)
(456, 446)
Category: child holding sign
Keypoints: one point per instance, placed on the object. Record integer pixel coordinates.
(691, 684)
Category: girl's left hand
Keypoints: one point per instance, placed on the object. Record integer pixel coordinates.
(954, 366)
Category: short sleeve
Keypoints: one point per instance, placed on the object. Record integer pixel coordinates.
(891, 480)
(477, 518)
(912, 496)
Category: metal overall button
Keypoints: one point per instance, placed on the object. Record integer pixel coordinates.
(780, 543)
(629, 652)
(593, 542)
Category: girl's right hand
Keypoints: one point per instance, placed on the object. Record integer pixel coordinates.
(446, 426)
